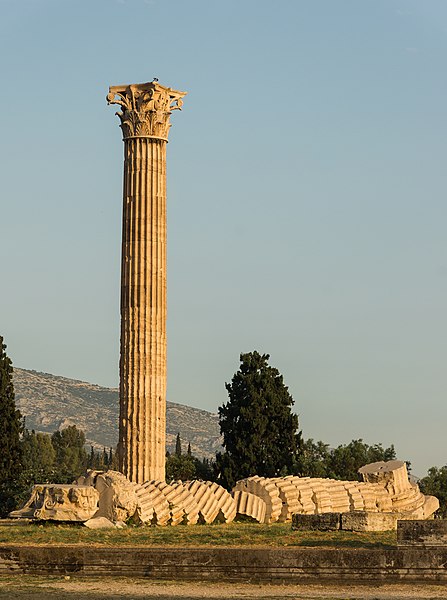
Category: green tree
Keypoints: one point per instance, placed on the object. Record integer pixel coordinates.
(435, 484)
(345, 460)
(105, 458)
(100, 461)
(314, 460)
(180, 467)
(205, 469)
(178, 445)
(113, 460)
(11, 428)
(260, 432)
(38, 457)
(185, 467)
(71, 457)
(91, 461)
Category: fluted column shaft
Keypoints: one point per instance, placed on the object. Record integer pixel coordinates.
(145, 122)
(142, 430)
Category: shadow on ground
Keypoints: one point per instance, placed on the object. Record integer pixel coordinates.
(312, 543)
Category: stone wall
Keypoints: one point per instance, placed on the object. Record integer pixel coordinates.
(292, 565)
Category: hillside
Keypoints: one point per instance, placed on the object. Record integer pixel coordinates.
(50, 403)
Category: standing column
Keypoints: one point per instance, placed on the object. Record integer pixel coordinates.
(146, 110)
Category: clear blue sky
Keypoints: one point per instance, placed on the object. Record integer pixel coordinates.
(306, 200)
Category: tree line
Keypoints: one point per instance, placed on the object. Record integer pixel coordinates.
(43, 458)
(185, 466)
(260, 432)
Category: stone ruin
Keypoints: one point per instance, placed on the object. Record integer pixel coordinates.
(385, 488)
(110, 497)
(144, 496)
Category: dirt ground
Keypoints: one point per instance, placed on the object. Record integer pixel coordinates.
(23, 587)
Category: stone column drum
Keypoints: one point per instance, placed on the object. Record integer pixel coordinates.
(145, 114)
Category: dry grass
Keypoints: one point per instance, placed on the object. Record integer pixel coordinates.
(278, 535)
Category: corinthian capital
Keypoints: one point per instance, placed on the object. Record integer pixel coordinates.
(146, 108)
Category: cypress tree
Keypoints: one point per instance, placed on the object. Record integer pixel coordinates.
(91, 459)
(178, 445)
(260, 432)
(11, 427)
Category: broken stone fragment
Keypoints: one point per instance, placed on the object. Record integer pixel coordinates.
(250, 505)
(117, 496)
(392, 475)
(422, 533)
(59, 502)
(319, 522)
(368, 521)
(406, 498)
(100, 523)
(430, 506)
(385, 489)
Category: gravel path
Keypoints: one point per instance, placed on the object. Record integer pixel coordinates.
(22, 587)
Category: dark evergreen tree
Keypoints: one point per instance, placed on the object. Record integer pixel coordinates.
(205, 469)
(71, 457)
(178, 445)
(180, 466)
(101, 461)
(91, 463)
(188, 452)
(38, 457)
(113, 460)
(186, 466)
(260, 432)
(11, 428)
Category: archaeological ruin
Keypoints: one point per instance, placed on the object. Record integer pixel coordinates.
(139, 492)
(385, 490)
(145, 122)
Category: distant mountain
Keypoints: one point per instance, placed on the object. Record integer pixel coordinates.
(50, 403)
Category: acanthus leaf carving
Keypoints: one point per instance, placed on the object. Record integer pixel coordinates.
(146, 108)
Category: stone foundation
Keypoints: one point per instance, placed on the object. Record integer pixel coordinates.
(422, 533)
(348, 521)
(280, 565)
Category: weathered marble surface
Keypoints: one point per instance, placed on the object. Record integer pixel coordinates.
(385, 488)
(387, 493)
(145, 122)
(60, 503)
